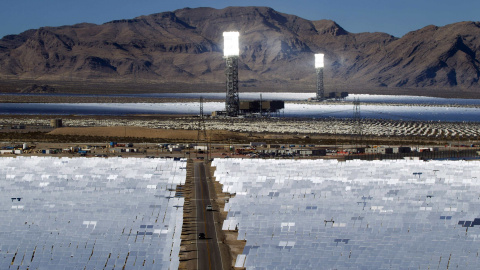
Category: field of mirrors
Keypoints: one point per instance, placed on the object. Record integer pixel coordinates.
(370, 127)
(353, 215)
(293, 214)
(78, 213)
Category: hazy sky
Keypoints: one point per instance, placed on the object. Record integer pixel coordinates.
(396, 17)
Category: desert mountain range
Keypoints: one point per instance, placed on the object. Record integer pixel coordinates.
(186, 46)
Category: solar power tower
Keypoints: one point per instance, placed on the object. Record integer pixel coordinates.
(231, 52)
(319, 68)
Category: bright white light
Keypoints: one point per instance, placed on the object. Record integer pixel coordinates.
(319, 60)
(231, 47)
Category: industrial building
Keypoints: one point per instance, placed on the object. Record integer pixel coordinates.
(56, 123)
(261, 106)
(387, 150)
(302, 152)
(337, 95)
(254, 107)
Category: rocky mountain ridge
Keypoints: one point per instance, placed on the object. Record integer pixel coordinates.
(185, 46)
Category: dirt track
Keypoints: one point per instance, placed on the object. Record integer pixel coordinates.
(139, 132)
(136, 134)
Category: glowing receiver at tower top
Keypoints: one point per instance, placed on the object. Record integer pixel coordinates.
(319, 60)
(231, 47)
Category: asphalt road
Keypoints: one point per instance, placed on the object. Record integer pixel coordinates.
(208, 253)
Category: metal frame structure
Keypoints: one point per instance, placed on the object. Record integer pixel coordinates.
(232, 102)
(202, 131)
(320, 88)
(357, 132)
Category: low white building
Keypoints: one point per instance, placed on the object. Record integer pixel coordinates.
(258, 144)
(201, 147)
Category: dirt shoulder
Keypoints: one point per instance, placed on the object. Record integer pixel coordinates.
(188, 247)
(230, 246)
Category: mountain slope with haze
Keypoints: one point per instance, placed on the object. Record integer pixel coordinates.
(185, 46)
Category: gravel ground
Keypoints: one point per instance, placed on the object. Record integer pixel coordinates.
(269, 127)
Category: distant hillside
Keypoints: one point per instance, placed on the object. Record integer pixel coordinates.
(277, 50)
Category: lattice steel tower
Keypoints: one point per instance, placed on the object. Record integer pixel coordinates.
(232, 102)
(319, 68)
(231, 52)
(202, 131)
(357, 122)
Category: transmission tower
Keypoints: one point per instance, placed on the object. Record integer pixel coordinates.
(357, 131)
(202, 131)
(261, 105)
